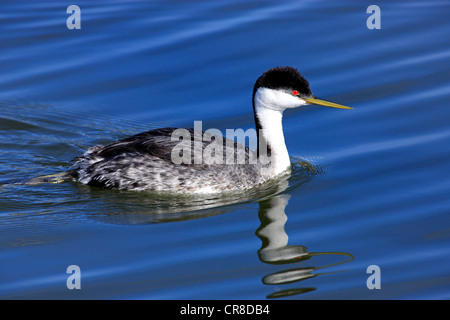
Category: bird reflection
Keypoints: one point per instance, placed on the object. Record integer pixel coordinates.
(289, 260)
(276, 250)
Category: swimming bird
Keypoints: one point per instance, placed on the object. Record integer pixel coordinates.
(145, 161)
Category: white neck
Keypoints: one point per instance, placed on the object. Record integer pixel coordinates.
(272, 135)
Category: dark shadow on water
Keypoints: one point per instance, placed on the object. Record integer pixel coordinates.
(133, 208)
(136, 208)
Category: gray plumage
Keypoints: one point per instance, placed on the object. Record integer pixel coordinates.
(144, 162)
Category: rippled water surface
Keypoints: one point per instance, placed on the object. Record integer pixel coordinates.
(370, 186)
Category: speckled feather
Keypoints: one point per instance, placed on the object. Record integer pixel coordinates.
(143, 162)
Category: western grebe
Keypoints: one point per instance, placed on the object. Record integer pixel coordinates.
(145, 161)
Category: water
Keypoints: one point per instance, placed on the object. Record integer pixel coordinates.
(370, 185)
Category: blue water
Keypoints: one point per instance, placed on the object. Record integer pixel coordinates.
(370, 186)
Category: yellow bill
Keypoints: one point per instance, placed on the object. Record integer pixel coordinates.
(325, 103)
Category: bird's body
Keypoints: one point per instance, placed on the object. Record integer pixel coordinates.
(146, 161)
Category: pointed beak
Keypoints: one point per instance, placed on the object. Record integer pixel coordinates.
(325, 103)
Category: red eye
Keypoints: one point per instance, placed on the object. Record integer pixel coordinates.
(295, 93)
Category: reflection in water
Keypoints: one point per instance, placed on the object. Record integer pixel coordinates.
(123, 207)
(275, 248)
(130, 207)
(137, 208)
